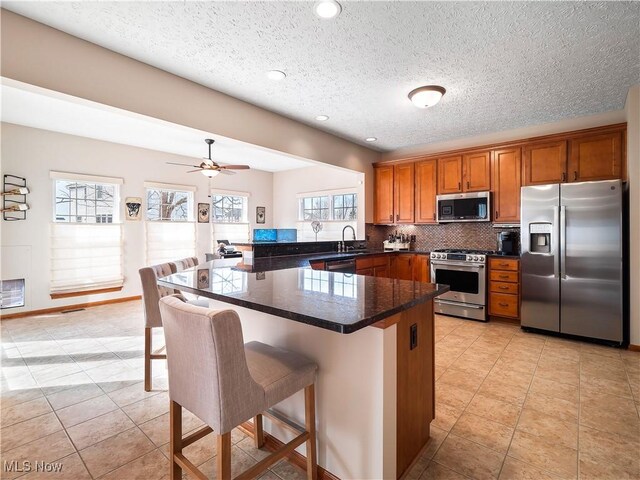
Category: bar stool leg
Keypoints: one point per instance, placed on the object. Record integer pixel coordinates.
(258, 432)
(175, 421)
(147, 359)
(223, 458)
(310, 424)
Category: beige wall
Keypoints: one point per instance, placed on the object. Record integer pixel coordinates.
(632, 109)
(39, 55)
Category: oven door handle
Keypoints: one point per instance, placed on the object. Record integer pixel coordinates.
(451, 264)
(458, 304)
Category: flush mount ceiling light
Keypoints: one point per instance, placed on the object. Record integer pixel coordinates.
(370, 139)
(327, 9)
(276, 75)
(322, 118)
(427, 96)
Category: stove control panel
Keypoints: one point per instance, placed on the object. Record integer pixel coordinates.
(459, 257)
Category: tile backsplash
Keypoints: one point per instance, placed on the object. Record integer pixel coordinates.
(477, 236)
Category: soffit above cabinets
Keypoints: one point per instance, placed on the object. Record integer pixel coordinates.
(504, 64)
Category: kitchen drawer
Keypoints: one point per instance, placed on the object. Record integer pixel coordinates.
(365, 271)
(502, 287)
(504, 264)
(503, 276)
(503, 305)
(380, 261)
(366, 262)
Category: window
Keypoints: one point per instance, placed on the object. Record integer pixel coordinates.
(315, 208)
(169, 205)
(340, 207)
(334, 209)
(229, 208)
(82, 201)
(229, 216)
(170, 227)
(86, 236)
(345, 206)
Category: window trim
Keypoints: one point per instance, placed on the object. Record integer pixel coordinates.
(90, 179)
(170, 187)
(330, 194)
(229, 193)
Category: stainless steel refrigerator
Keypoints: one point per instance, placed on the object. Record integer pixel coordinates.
(573, 277)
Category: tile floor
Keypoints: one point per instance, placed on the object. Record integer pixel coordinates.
(510, 405)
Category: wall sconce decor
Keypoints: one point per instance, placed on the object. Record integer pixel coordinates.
(14, 198)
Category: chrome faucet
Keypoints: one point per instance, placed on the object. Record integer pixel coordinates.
(352, 229)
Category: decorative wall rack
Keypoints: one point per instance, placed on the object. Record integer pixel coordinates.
(14, 198)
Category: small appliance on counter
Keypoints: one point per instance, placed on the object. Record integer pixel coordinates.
(508, 243)
(397, 242)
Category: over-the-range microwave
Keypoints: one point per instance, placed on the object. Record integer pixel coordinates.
(464, 207)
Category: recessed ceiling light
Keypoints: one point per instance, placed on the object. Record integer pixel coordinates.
(427, 96)
(327, 9)
(276, 75)
(371, 139)
(322, 118)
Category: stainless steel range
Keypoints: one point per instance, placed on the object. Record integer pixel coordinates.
(465, 273)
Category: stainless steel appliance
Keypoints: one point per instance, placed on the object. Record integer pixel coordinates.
(464, 207)
(465, 273)
(508, 243)
(572, 259)
(344, 266)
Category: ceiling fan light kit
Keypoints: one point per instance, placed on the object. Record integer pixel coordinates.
(209, 168)
(427, 96)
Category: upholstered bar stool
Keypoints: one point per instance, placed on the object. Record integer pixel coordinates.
(225, 382)
(151, 294)
(185, 263)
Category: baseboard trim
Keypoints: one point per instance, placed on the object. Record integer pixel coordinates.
(271, 443)
(634, 348)
(62, 308)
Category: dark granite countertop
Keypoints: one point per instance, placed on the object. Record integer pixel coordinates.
(334, 301)
(504, 255)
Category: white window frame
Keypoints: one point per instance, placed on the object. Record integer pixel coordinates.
(86, 256)
(328, 193)
(170, 229)
(224, 229)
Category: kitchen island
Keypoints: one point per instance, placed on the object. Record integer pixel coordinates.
(372, 339)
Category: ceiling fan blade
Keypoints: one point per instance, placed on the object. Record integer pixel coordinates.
(236, 167)
(181, 164)
(227, 172)
(198, 170)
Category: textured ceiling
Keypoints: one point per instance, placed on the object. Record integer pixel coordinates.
(504, 64)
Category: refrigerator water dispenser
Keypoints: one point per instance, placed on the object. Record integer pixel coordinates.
(540, 237)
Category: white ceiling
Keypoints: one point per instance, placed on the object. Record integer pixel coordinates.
(504, 64)
(39, 108)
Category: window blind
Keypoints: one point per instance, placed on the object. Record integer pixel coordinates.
(85, 257)
(169, 241)
(234, 232)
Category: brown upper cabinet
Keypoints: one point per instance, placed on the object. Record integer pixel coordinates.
(450, 174)
(470, 172)
(394, 198)
(426, 185)
(476, 172)
(597, 157)
(506, 185)
(544, 162)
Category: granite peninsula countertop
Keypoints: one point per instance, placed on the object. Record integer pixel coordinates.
(340, 302)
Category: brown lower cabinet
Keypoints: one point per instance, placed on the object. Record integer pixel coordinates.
(401, 266)
(504, 287)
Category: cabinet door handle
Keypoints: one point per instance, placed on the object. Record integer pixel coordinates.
(502, 304)
(564, 176)
(468, 185)
(504, 264)
(391, 217)
(458, 185)
(497, 214)
(503, 276)
(397, 217)
(502, 287)
(434, 216)
(575, 175)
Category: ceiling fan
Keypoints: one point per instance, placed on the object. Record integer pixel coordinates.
(209, 168)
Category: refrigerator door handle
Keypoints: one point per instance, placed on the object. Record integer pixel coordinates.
(556, 253)
(563, 241)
